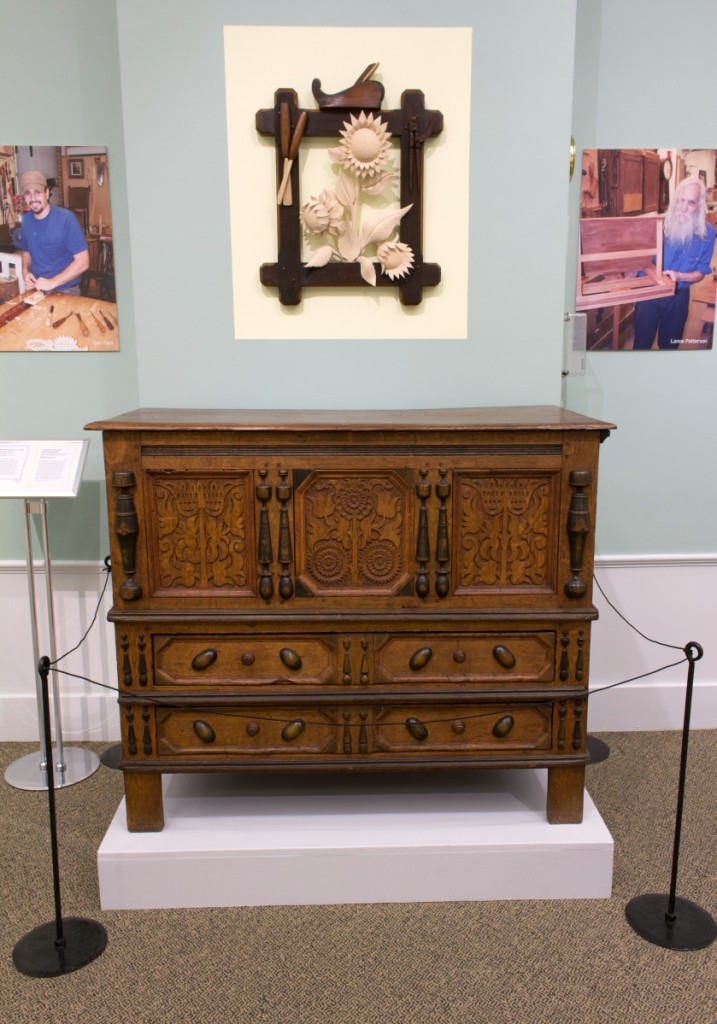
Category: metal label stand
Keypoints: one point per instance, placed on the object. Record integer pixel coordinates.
(50, 468)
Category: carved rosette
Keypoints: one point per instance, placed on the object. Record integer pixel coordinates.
(352, 532)
(505, 532)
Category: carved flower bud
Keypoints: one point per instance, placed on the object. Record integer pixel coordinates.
(322, 214)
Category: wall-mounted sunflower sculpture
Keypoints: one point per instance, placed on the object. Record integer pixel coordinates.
(365, 227)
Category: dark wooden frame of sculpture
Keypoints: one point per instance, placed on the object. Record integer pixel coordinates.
(412, 124)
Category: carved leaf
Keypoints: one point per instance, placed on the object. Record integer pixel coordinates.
(346, 189)
(349, 245)
(368, 270)
(382, 184)
(321, 257)
(380, 224)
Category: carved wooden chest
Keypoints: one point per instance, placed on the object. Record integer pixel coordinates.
(345, 591)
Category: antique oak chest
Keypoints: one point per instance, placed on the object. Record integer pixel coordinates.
(350, 591)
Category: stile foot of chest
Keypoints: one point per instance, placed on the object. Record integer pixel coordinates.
(566, 788)
(143, 793)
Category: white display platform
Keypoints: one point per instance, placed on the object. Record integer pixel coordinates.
(249, 840)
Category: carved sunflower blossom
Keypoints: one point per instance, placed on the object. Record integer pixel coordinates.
(365, 146)
(396, 258)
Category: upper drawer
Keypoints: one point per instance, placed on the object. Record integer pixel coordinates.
(466, 658)
(245, 660)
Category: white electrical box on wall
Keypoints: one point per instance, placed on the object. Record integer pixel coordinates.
(574, 340)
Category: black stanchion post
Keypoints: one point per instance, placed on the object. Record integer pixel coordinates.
(667, 919)
(65, 944)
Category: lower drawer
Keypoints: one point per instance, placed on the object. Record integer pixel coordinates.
(336, 731)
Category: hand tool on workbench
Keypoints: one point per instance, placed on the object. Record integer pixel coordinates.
(101, 326)
(58, 323)
(83, 326)
(48, 322)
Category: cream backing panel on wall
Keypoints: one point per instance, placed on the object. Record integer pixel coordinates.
(260, 60)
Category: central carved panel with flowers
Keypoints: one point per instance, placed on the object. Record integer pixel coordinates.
(352, 533)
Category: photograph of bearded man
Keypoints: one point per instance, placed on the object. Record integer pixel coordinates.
(687, 253)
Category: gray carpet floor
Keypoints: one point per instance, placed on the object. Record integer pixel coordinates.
(524, 962)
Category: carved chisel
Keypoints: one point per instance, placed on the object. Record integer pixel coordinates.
(285, 135)
(293, 150)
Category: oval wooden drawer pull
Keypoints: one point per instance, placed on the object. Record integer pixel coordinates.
(290, 658)
(420, 658)
(293, 729)
(503, 726)
(204, 731)
(204, 659)
(503, 656)
(416, 728)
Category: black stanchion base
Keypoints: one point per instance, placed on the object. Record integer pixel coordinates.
(692, 927)
(111, 757)
(597, 750)
(38, 955)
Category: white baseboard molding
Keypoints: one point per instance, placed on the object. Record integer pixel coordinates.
(88, 710)
(668, 597)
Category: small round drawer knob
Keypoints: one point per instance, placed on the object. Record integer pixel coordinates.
(420, 658)
(503, 726)
(204, 659)
(252, 728)
(459, 656)
(459, 727)
(503, 656)
(248, 658)
(290, 658)
(416, 728)
(204, 731)
(292, 730)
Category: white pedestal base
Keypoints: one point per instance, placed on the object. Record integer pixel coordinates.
(250, 840)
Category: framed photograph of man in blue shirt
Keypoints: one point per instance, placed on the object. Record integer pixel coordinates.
(56, 250)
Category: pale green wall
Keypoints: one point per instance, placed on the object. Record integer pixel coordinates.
(658, 482)
(175, 134)
(146, 78)
(69, 95)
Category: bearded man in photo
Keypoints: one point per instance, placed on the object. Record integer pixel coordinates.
(687, 253)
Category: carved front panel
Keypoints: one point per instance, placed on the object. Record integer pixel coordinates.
(465, 659)
(352, 533)
(201, 533)
(241, 661)
(505, 530)
(259, 731)
(492, 729)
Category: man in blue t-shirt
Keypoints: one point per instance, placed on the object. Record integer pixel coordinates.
(54, 250)
(687, 254)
